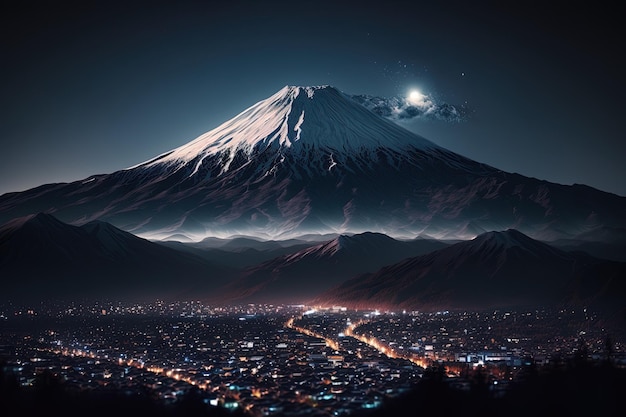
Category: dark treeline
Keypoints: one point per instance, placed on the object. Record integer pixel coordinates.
(571, 388)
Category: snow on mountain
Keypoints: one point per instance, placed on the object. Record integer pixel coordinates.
(306, 119)
(312, 160)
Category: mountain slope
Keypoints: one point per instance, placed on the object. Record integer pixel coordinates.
(603, 242)
(299, 119)
(297, 276)
(496, 269)
(238, 257)
(41, 256)
(313, 160)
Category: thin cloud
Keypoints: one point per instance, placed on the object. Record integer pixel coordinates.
(402, 108)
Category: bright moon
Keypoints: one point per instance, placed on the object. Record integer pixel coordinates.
(415, 97)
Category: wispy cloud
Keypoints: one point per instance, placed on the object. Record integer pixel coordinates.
(416, 106)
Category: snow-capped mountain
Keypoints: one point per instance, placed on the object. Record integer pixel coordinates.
(314, 160)
(319, 125)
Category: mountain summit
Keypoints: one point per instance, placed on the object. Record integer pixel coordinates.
(314, 160)
(320, 123)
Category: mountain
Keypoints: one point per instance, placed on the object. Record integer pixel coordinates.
(41, 256)
(602, 242)
(496, 269)
(314, 160)
(236, 256)
(298, 276)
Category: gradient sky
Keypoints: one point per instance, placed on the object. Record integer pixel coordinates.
(91, 87)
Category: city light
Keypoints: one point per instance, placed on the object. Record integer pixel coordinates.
(230, 361)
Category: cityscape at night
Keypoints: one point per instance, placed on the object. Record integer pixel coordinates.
(287, 359)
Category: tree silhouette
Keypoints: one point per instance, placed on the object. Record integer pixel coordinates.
(609, 349)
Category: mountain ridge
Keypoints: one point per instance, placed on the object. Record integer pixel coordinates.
(297, 276)
(494, 270)
(40, 256)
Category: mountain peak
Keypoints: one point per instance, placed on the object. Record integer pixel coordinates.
(101, 228)
(308, 90)
(511, 238)
(38, 220)
(301, 118)
(494, 270)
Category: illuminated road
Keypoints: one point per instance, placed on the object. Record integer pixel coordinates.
(382, 348)
(329, 342)
(177, 374)
(371, 341)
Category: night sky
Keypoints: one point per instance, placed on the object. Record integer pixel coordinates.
(92, 87)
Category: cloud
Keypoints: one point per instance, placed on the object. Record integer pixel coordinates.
(407, 108)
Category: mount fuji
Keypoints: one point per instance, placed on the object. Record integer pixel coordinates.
(314, 160)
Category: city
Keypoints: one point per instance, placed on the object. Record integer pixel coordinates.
(286, 359)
